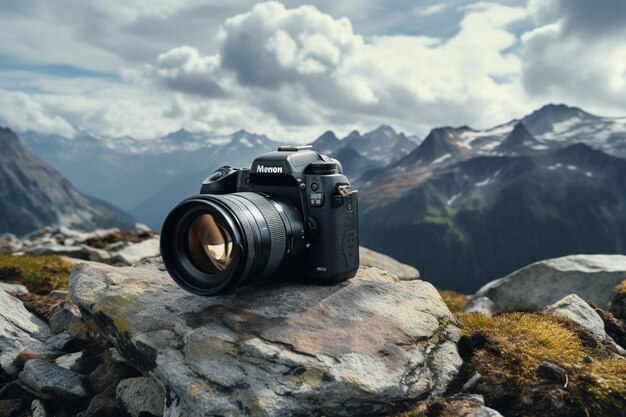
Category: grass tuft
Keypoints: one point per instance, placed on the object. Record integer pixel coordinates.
(454, 300)
(40, 274)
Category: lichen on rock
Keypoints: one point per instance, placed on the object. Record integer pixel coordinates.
(366, 346)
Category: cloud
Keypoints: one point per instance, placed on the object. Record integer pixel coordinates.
(19, 111)
(294, 70)
(302, 66)
(577, 54)
(430, 10)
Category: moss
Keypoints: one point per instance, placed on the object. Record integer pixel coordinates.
(620, 289)
(454, 300)
(103, 242)
(41, 305)
(40, 274)
(507, 349)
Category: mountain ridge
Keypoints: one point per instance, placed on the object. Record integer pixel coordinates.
(33, 195)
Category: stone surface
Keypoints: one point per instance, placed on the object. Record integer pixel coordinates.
(552, 372)
(69, 360)
(134, 253)
(60, 341)
(63, 317)
(363, 346)
(38, 409)
(57, 249)
(20, 331)
(12, 407)
(369, 257)
(592, 277)
(103, 406)
(57, 294)
(141, 395)
(16, 289)
(52, 381)
(97, 255)
(458, 405)
(576, 309)
(482, 305)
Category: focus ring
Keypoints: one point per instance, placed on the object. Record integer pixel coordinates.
(247, 231)
(276, 227)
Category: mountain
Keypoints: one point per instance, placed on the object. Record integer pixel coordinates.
(468, 206)
(127, 172)
(33, 195)
(359, 153)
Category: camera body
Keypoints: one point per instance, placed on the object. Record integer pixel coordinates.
(317, 204)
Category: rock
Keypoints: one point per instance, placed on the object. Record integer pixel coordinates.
(614, 327)
(617, 306)
(576, 309)
(53, 381)
(540, 284)
(60, 341)
(69, 360)
(471, 383)
(104, 406)
(141, 395)
(136, 252)
(363, 346)
(15, 289)
(482, 305)
(551, 372)
(458, 405)
(369, 257)
(140, 227)
(20, 331)
(108, 374)
(38, 234)
(38, 409)
(57, 294)
(97, 255)
(56, 249)
(63, 317)
(12, 408)
(9, 243)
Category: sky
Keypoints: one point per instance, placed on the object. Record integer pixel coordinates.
(293, 70)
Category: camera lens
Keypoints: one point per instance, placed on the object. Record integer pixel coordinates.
(213, 243)
(210, 244)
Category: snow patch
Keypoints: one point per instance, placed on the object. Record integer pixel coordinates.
(441, 159)
(453, 199)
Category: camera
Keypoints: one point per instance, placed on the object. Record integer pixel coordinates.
(292, 215)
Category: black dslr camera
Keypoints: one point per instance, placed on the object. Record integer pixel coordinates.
(292, 215)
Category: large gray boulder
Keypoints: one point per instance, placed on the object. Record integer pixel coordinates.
(592, 277)
(577, 310)
(20, 331)
(378, 260)
(52, 381)
(364, 346)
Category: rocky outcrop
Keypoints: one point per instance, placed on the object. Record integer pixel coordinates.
(110, 246)
(20, 331)
(592, 277)
(362, 347)
(577, 310)
(378, 260)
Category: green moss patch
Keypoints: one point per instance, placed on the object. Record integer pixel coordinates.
(507, 350)
(103, 242)
(40, 274)
(454, 300)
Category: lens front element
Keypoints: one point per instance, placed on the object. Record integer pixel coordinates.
(210, 244)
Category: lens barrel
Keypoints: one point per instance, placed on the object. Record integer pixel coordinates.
(213, 243)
